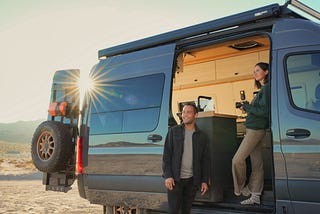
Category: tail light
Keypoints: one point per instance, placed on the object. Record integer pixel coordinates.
(79, 156)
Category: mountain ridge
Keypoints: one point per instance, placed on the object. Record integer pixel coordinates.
(18, 132)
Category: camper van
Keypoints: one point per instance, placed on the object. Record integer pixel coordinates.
(111, 140)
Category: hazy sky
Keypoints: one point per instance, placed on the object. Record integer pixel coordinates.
(38, 37)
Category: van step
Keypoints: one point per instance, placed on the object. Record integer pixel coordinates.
(223, 208)
(227, 209)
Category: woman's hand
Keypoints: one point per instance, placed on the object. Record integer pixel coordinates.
(204, 188)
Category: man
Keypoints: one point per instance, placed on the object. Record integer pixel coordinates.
(185, 162)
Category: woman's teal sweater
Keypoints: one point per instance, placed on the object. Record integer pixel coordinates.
(258, 109)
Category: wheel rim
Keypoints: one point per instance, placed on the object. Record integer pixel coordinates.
(45, 145)
(124, 210)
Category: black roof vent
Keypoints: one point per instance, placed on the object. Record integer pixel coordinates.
(245, 45)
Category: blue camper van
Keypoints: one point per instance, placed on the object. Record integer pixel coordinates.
(111, 141)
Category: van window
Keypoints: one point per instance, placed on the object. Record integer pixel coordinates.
(304, 80)
(130, 105)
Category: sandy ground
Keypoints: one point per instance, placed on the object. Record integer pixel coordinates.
(29, 196)
(21, 189)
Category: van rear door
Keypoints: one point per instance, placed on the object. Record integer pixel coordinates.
(296, 92)
(53, 144)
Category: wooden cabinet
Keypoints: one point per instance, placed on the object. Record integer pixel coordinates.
(196, 73)
(236, 66)
(221, 131)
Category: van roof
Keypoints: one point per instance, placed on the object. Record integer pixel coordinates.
(273, 10)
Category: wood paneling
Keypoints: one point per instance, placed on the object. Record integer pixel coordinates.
(236, 66)
(223, 50)
(220, 72)
(196, 73)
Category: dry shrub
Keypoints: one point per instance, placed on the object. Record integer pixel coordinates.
(16, 154)
(25, 164)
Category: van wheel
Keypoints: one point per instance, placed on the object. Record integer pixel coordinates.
(51, 146)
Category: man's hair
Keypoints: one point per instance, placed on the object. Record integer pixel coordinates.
(193, 105)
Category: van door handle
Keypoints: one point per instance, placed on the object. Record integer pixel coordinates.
(298, 133)
(154, 138)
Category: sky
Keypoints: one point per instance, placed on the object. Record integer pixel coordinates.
(38, 37)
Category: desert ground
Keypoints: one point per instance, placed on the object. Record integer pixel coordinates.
(21, 189)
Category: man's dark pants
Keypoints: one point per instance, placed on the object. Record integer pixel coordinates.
(182, 196)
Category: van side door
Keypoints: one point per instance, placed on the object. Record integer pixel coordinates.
(297, 95)
(128, 123)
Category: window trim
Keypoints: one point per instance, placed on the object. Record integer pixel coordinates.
(286, 76)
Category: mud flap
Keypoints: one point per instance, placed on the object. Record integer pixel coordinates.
(58, 181)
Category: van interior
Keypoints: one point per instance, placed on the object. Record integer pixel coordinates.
(215, 77)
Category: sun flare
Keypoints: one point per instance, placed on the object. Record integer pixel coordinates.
(86, 85)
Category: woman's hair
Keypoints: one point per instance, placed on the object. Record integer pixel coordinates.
(264, 66)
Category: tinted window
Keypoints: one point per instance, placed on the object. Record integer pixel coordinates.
(304, 80)
(130, 105)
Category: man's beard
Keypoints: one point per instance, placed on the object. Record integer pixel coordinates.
(187, 122)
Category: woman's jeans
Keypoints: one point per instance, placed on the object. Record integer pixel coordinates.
(250, 145)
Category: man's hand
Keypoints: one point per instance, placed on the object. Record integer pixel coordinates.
(204, 188)
(169, 183)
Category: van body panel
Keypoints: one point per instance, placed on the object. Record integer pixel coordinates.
(294, 33)
(129, 183)
(155, 61)
(136, 191)
(125, 150)
(301, 154)
(296, 48)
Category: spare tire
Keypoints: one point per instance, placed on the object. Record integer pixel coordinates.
(52, 146)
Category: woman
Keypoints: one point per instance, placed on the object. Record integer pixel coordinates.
(257, 122)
